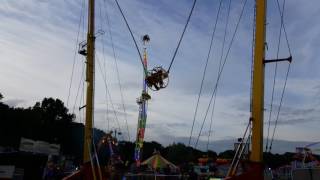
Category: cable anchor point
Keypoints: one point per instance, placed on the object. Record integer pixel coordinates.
(289, 59)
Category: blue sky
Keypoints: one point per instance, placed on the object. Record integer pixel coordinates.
(38, 41)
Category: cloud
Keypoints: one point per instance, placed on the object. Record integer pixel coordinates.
(14, 102)
(293, 122)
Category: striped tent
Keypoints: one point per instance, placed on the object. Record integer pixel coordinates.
(158, 162)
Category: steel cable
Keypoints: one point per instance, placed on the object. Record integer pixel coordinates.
(181, 37)
(75, 52)
(108, 93)
(117, 70)
(220, 73)
(132, 36)
(204, 72)
(219, 69)
(287, 73)
(274, 80)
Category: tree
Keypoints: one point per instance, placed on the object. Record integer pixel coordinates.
(46, 121)
(179, 153)
(53, 110)
(213, 155)
(1, 96)
(149, 148)
(126, 150)
(228, 154)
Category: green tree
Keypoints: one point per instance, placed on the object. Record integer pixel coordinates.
(47, 121)
(228, 154)
(149, 148)
(179, 153)
(213, 155)
(126, 150)
(53, 110)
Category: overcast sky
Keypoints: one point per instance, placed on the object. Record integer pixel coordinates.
(38, 41)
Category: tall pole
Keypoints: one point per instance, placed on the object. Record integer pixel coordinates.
(90, 84)
(142, 101)
(258, 84)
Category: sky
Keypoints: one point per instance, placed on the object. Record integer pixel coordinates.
(39, 42)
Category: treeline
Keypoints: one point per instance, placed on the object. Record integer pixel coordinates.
(49, 120)
(179, 154)
(176, 153)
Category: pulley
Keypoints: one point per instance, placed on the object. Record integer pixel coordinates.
(157, 78)
(145, 38)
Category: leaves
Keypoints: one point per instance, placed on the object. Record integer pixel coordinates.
(47, 121)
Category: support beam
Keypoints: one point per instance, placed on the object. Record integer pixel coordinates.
(90, 84)
(258, 84)
(289, 59)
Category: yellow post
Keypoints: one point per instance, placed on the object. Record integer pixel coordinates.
(90, 84)
(258, 84)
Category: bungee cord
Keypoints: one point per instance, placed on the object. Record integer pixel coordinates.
(155, 78)
(182, 35)
(132, 36)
